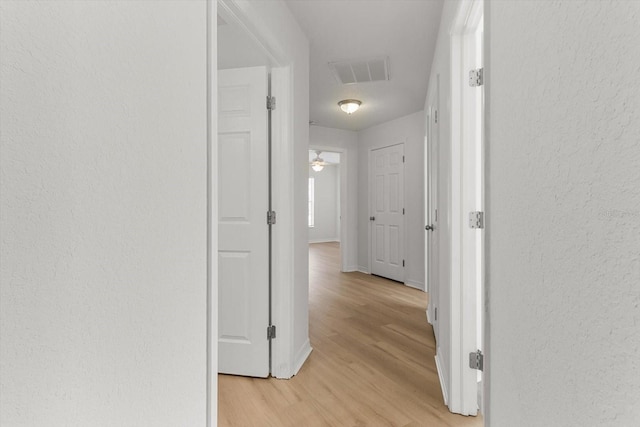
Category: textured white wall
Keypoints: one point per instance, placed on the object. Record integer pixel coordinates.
(563, 211)
(236, 49)
(346, 140)
(410, 131)
(327, 201)
(103, 213)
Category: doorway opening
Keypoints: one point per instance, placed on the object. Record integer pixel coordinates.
(339, 159)
(242, 46)
(324, 205)
(244, 195)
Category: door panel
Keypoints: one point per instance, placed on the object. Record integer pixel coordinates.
(387, 238)
(234, 270)
(243, 239)
(395, 258)
(379, 238)
(234, 172)
(394, 192)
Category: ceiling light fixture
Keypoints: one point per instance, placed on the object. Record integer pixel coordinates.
(317, 164)
(349, 106)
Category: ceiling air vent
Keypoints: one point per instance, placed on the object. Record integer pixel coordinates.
(361, 70)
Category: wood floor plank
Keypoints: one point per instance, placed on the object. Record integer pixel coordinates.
(372, 363)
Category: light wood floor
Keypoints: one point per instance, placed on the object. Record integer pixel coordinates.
(372, 362)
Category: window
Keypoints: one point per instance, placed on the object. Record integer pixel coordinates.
(311, 201)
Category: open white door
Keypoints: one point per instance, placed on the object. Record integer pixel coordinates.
(467, 208)
(432, 228)
(387, 207)
(438, 257)
(243, 233)
(472, 201)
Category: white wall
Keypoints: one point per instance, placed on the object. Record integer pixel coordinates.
(103, 196)
(563, 212)
(347, 141)
(236, 49)
(410, 131)
(327, 203)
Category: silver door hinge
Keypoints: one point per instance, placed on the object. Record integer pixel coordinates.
(271, 217)
(435, 116)
(402, 211)
(435, 312)
(476, 360)
(271, 103)
(402, 159)
(476, 77)
(403, 263)
(271, 332)
(476, 219)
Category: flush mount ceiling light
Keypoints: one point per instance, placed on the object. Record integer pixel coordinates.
(318, 164)
(349, 106)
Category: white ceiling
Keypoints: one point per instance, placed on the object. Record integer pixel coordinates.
(403, 30)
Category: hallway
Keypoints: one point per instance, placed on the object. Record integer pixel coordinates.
(372, 362)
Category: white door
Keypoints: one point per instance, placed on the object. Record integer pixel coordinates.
(467, 184)
(472, 200)
(431, 228)
(243, 234)
(387, 217)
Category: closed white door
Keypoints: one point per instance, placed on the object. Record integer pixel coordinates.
(243, 234)
(387, 212)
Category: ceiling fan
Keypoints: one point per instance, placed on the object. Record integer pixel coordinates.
(318, 163)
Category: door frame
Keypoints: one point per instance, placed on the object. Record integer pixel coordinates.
(211, 416)
(464, 308)
(237, 12)
(344, 210)
(403, 142)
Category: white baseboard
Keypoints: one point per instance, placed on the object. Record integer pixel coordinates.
(301, 356)
(329, 240)
(443, 386)
(415, 285)
(428, 317)
(350, 269)
(362, 269)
